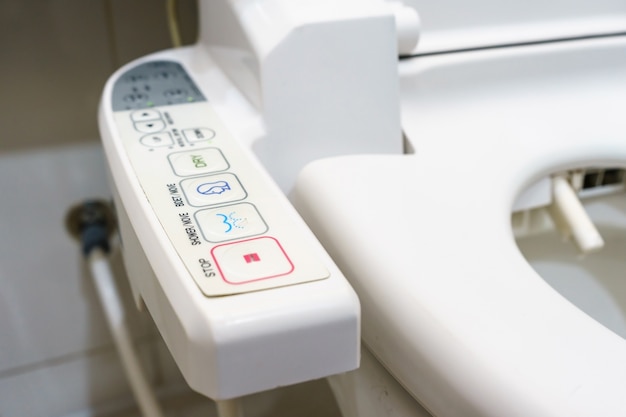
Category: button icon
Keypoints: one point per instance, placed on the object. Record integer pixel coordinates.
(135, 97)
(196, 162)
(157, 139)
(198, 134)
(175, 93)
(252, 260)
(251, 257)
(230, 222)
(164, 75)
(212, 188)
(145, 115)
(150, 126)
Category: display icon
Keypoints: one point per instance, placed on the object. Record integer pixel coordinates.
(251, 257)
(213, 188)
(231, 221)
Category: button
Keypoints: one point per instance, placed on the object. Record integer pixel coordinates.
(214, 189)
(230, 222)
(251, 260)
(145, 115)
(198, 134)
(197, 162)
(157, 139)
(150, 126)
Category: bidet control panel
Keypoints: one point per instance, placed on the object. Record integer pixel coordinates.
(219, 212)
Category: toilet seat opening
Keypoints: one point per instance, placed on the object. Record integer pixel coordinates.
(594, 282)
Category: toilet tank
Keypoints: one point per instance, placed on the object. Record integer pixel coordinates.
(449, 25)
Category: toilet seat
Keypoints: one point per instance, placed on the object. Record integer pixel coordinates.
(450, 306)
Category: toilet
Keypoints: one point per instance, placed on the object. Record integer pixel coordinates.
(433, 182)
(455, 320)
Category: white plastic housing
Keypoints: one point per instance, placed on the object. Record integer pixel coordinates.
(225, 346)
(458, 24)
(323, 74)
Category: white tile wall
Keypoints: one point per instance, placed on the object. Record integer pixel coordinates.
(54, 343)
(86, 383)
(56, 355)
(46, 298)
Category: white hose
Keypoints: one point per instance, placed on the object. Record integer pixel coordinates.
(114, 312)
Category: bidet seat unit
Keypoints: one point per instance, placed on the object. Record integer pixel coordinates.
(199, 142)
(413, 169)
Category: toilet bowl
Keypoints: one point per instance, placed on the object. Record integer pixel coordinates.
(456, 321)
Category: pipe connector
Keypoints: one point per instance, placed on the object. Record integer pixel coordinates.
(92, 223)
(571, 218)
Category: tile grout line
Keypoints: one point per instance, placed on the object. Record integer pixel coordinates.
(69, 357)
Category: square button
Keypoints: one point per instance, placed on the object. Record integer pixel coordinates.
(197, 162)
(213, 189)
(230, 222)
(251, 260)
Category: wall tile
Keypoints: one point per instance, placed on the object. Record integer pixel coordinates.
(93, 382)
(55, 59)
(48, 304)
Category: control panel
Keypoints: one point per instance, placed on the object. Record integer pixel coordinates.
(219, 214)
(243, 294)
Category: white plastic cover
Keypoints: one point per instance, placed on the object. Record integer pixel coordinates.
(458, 24)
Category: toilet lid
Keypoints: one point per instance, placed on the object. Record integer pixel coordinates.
(449, 304)
(460, 24)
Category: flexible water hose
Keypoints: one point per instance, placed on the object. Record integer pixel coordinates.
(114, 311)
(93, 223)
